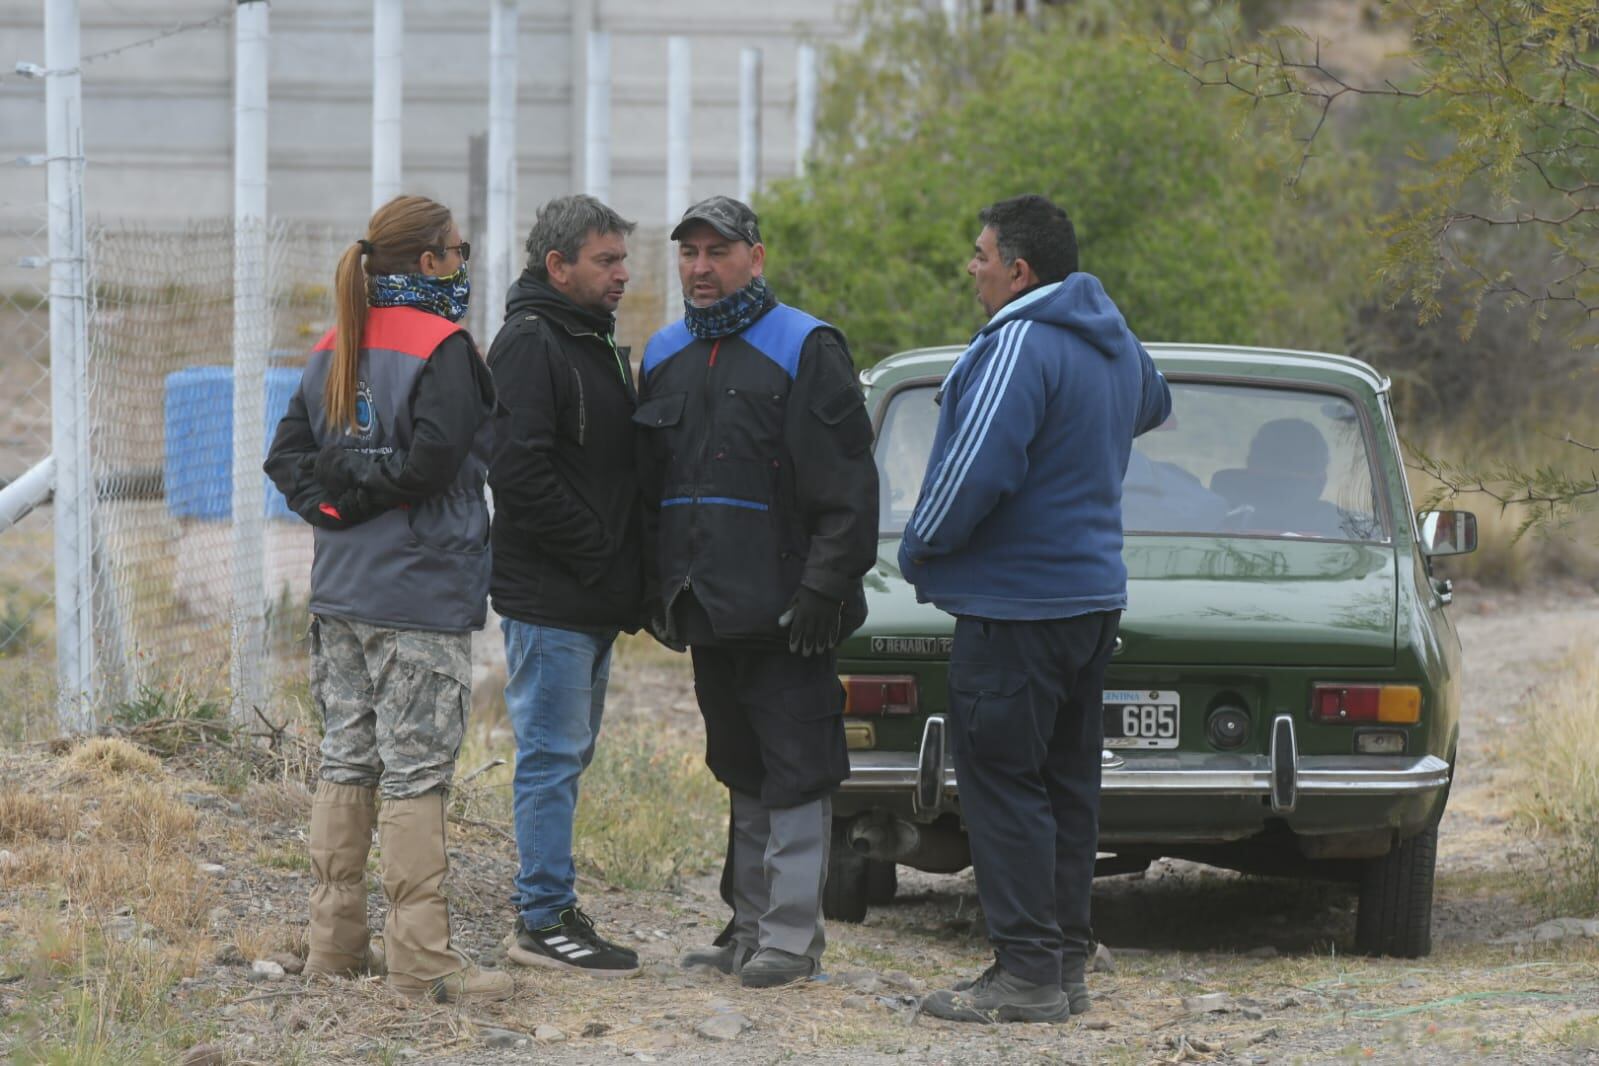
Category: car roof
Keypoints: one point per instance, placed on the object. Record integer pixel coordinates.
(1220, 360)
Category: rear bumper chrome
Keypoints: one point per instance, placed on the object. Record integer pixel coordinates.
(1200, 774)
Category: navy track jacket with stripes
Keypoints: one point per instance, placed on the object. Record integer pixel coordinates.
(1020, 510)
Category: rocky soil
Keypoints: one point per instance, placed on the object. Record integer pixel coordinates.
(1201, 965)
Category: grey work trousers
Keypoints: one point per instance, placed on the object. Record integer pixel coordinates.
(779, 867)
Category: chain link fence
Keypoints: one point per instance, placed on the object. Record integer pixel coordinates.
(161, 404)
(27, 573)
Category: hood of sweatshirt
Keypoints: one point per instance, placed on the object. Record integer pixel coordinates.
(1077, 303)
(529, 295)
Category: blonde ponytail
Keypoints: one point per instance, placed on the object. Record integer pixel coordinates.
(399, 232)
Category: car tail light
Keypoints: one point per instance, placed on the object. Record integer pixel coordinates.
(879, 694)
(1399, 704)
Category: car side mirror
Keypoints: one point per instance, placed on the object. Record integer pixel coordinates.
(1447, 532)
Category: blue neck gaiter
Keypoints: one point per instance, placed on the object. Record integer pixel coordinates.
(446, 296)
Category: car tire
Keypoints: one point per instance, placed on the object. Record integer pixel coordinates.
(882, 882)
(846, 893)
(1395, 915)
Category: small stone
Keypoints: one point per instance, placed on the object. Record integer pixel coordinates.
(8, 860)
(1410, 983)
(904, 982)
(1098, 1025)
(644, 1056)
(229, 955)
(1253, 1014)
(860, 980)
(724, 1027)
(235, 809)
(1263, 1036)
(594, 1029)
(1565, 929)
(124, 929)
(1102, 962)
(1209, 1003)
(548, 1034)
(267, 968)
(858, 1002)
(205, 1055)
(505, 1038)
(290, 962)
(211, 869)
(1265, 951)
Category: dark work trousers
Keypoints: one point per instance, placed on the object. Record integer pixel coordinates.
(1027, 727)
(774, 735)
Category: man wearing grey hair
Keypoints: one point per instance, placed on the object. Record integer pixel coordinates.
(567, 570)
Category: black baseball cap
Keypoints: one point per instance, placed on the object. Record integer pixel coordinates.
(731, 218)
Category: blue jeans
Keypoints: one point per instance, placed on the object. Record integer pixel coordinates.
(555, 697)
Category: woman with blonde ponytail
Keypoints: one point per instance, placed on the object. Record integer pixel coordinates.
(385, 451)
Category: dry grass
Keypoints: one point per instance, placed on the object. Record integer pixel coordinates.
(26, 817)
(1557, 785)
(113, 757)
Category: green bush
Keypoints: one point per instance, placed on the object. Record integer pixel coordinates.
(1178, 209)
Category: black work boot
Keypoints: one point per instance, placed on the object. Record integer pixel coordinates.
(1074, 982)
(771, 967)
(728, 958)
(999, 996)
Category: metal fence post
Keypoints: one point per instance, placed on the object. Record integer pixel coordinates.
(69, 347)
(388, 66)
(679, 168)
(251, 333)
(502, 164)
(804, 106)
(749, 123)
(597, 118)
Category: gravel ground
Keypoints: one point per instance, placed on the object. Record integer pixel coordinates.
(1269, 955)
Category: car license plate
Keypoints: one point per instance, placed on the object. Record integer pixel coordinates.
(1135, 719)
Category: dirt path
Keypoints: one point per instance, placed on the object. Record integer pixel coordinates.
(1275, 949)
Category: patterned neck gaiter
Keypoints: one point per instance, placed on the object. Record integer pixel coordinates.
(446, 296)
(731, 314)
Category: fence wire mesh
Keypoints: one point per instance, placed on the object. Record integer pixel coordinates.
(161, 403)
(27, 572)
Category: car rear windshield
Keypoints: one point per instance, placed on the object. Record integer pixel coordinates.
(1232, 459)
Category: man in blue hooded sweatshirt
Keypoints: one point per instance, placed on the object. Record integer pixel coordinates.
(1018, 534)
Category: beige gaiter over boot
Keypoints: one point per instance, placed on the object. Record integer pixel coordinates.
(416, 936)
(342, 817)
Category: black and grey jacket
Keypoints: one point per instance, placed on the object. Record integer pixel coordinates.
(758, 473)
(402, 537)
(567, 532)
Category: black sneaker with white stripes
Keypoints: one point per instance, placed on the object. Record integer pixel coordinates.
(572, 944)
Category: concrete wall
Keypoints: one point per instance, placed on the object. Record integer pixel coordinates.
(158, 119)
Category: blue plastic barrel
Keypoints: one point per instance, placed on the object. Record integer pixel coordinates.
(199, 440)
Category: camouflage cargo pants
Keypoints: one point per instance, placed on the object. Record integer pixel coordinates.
(393, 704)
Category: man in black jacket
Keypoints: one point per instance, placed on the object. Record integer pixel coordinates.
(567, 555)
(760, 499)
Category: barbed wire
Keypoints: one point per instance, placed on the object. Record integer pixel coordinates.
(95, 57)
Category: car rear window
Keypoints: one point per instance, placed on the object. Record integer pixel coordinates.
(1232, 459)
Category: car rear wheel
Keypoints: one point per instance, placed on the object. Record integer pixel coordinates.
(1395, 916)
(847, 891)
(882, 881)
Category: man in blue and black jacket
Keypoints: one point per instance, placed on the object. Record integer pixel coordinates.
(1018, 534)
(760, 514)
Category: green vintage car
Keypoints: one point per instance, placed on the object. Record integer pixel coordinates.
(1284, 696)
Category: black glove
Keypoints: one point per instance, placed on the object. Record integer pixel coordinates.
(813, 622)
(660, 627)
(336, 469)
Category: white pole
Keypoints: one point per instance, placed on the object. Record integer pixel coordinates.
(597, 118)
(804, 106)
(388, 67)
(679, 117)
(501, 208)
(749, 123)
(69, 347)
(251, 336)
